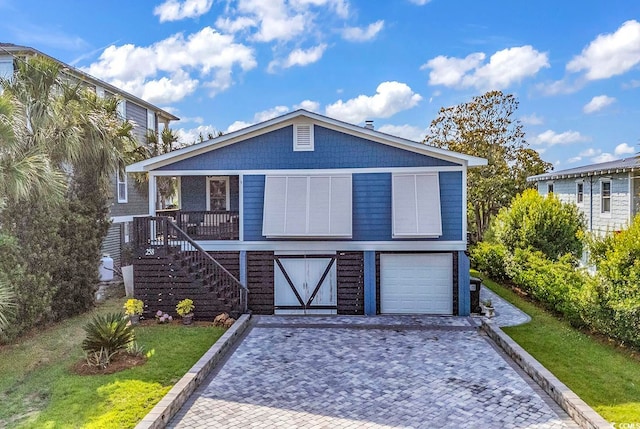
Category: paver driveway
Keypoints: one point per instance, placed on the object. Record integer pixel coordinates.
(371, 372)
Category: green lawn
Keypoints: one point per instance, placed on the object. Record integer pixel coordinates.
(37, 390)
(604, 376)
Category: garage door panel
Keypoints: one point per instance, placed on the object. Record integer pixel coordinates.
(416, 283)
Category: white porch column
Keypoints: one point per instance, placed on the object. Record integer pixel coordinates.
(153, 190)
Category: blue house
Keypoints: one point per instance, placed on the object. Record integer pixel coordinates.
(310, 215)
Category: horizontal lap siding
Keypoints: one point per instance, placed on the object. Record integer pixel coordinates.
(260, 282)
(253, 197)
(111, 244)
(138, 115)
(350, 271)
(372, 206)
(332, 149)
(451, 205)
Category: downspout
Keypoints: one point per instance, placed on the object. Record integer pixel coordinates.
(591, 204)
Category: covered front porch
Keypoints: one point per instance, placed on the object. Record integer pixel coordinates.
(205, 207)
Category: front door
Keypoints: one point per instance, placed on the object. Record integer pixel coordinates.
(305, 284)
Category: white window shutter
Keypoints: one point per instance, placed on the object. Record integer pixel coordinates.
(319, 205)
(296, 206)
(341, 206)
(416, 205)
(428, 197)
(404, 205)
(307, 206)
(303, 137)
(275, 194)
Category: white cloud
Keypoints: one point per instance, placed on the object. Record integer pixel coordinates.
(406, 131)
(390, 98)
(311, 106)
(504, 68)
(603, 157)
(174, 10)
(229, 25)
(275, 19)
(624, 149)
(597, 103)
(265, 115)
(532, 119)
(634, 83)
(169, 63)
(551, 138)
(357, 34)
(420, 2)
(187, 136)
(562, 86)
(298, 57)
(591, 152)
(610, 54)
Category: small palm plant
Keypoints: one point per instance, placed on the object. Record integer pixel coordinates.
(106, 335)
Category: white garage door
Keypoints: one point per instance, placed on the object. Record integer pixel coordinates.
(416, 283)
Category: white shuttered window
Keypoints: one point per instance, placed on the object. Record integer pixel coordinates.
(416, 205)
(307, 206)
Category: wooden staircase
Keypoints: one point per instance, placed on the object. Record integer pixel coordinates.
(169, 266)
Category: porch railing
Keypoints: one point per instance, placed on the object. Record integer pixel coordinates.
(161, 233)
(207, 225)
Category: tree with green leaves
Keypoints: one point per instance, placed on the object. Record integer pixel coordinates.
(486, 127)
(59, 146)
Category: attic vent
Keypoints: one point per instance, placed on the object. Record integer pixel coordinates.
(303, 137)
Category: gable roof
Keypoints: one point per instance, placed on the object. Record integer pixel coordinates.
(294, 117)
(610, 167)
(13, 50)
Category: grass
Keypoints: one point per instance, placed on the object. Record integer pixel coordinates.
(37, 390)
(605, 376)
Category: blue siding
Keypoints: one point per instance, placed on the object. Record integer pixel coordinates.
(253, 199)
(370, 283)
(333, 149)
(372, 207)
(193, 193)
(372, 219)
(451, 205)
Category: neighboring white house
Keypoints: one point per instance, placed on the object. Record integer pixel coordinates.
(607, 193)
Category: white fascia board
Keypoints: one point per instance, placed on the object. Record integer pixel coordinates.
(301, 172)
(302, 245)
(290, 119)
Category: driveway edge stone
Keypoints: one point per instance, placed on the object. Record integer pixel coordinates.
(571, 403)
(170, 404)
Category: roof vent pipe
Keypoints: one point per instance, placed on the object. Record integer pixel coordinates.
(368, 124)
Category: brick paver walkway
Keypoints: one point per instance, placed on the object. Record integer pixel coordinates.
(375, 372)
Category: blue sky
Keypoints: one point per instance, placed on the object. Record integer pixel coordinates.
(223, 64)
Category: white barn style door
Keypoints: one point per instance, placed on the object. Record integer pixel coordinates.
(305, 284)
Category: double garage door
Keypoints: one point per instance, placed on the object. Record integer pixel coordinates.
(416, 283)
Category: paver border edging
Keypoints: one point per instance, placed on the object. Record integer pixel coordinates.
(171, 403)
(580, 412)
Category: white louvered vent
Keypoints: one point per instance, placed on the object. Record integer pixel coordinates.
(303, 137)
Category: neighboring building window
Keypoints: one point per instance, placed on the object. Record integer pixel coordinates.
(6, 68)
(416, 205)
(579, 192)
(122, 185)
(218, 194)
(307, 206)
(151, 120)
(100, 91)
(303, 137)
(549, 188)
(605, 196)
(122, 109)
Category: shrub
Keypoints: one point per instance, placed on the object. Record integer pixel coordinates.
(556, 284)
(185, 307)
(490, 258)
(544, 224)
(108, 334)
(133, 306)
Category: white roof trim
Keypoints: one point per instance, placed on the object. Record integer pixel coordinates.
(287, 120)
